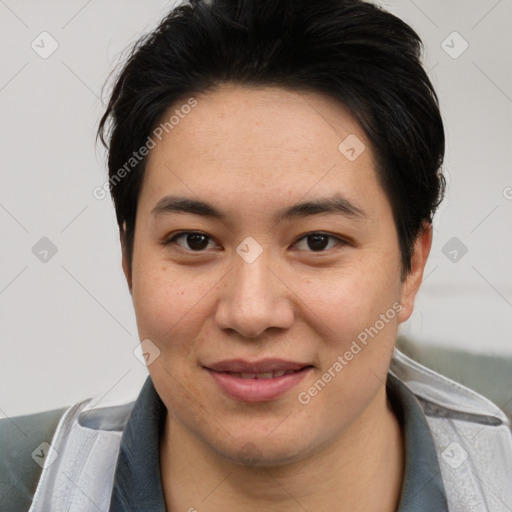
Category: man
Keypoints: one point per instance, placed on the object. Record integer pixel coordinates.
(275, 167)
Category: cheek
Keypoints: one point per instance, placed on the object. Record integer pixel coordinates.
(349, 299)
(357, 315)
(362, 317)
(169, 312)
(167, 302)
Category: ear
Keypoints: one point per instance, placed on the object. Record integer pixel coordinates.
(412, 282)
(124, 260)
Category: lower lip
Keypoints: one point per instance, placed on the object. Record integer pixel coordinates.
(257, 390)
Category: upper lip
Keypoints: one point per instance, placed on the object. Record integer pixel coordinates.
(261, 366)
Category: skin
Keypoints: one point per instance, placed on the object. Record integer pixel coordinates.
(251, 151)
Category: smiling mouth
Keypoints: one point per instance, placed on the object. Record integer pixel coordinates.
(265, 375)
(258, 386)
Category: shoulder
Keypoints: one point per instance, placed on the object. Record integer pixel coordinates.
(440, 393)
(471, 435)
(489, 374)
(455, 380)
(20, 445)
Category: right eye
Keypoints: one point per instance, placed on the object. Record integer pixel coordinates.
(195, 240)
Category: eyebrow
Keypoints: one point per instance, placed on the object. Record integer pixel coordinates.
(336, 204)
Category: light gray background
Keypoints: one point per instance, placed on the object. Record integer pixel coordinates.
(67, 325)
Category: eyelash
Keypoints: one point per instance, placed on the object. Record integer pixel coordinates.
(172, 240)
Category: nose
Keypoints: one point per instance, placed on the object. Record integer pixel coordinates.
(255, 298)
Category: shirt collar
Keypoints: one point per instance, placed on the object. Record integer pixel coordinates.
(137, 482)
(138, 486)
(422, 489)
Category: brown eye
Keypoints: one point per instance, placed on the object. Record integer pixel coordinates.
(194, 240)
(317, 242)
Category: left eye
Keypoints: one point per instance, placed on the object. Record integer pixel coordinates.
(197, 241)
(317, 241)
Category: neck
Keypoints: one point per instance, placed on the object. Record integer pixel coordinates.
(362, 470)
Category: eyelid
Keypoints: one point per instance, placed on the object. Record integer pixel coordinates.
(172, 240)
(340, 241)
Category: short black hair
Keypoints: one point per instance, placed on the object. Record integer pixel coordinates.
(352, 51)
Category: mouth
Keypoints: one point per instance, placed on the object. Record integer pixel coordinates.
(258, 381)
(263, 375)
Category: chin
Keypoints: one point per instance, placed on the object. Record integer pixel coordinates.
(261, 451)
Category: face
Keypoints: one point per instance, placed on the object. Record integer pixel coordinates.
(315, 294)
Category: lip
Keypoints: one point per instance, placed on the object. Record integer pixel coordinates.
(257, 389)
(261, 366)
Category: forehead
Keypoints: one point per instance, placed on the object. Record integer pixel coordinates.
(261, 146)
